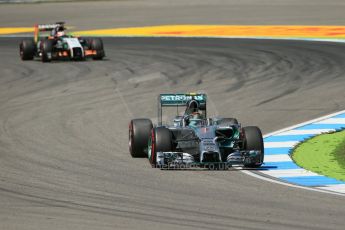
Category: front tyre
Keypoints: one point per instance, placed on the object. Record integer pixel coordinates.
(47, 50)
(97, 45)
(139, 133)
(161, 141)
(254, 141)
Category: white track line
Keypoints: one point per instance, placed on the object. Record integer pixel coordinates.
(289, 173)
(277, 158)
(305, 132)
(332, 121)
(334, 188)
(283, 144)
(275, 181)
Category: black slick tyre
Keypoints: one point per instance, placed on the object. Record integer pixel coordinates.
(97, 45)
(254, 141)
(27, 49)
(161, 141)
(47, 50)
(139, 133)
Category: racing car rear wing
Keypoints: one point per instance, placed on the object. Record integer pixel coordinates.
(179, 99)
(45, 27)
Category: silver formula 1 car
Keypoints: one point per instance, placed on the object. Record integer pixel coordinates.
(193, 139)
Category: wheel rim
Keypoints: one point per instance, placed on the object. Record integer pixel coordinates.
(130, 135)
(21, 52)
(153, 148)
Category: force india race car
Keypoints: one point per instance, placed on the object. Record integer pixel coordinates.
(193, 139)
(58, 45)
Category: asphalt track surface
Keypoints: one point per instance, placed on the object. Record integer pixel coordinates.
(64, 162)
(63, 136)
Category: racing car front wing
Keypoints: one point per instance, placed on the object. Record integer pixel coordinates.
(186, 160)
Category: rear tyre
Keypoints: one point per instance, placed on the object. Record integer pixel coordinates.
(139, 133)
(27, 49)
(228, 121)
(161, 141)
(97, 45)
(254, 141)
(47, 50)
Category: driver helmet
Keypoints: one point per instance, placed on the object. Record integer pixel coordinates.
(195, 119)
(60, 31)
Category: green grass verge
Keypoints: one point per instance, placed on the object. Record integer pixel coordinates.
(323, 154)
